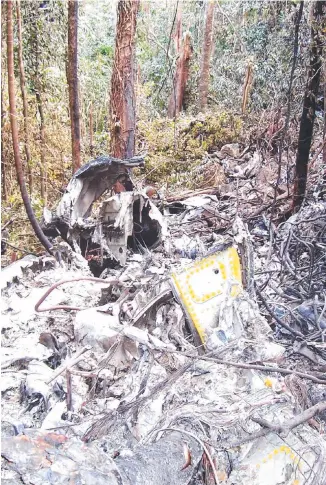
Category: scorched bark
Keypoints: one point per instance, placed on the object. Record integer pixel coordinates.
(309, 103)
(72, 77)
(122, 100)
(15, 136)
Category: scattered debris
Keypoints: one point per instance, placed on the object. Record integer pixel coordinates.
(126, 218)
(198, 357)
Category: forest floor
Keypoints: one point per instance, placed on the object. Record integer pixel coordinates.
(201, 361)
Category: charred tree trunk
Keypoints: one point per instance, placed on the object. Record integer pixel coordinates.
(122, 100)
(15, 136)
(309, 104)
(24, 97)
(72, 78)
(180, 77)
(206, 56)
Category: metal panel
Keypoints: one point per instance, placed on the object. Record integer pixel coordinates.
(203, 286)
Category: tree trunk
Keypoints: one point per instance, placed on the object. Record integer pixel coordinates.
(3, 163)
(72, 78)
(43, 173)
(246, 88)
(122, 99)
(309, 103)
(15, 137)
(206, 56)
(24, 97)
(180, 77)
(38, 81)
(91, 130)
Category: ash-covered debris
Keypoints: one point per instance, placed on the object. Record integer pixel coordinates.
(126, 218)
(197, 360)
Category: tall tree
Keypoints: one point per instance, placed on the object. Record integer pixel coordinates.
(122, 99)
(91, 130)
(37, 76)
(183, 49)
(309, 103)
(24, 97)
(180, 77)
(3, 163)
(72, 78)
(15, 135)
(247, 87)
(206, 56)
(39, 101)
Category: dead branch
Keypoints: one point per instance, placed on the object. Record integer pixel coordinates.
(59, 283)
(18, 249)
(8, 223)
(101, 427)
(284, 429)
(69, 363)
(279, 429)
(242, 365)
(69, 392)
(191, 193)
(278, 320)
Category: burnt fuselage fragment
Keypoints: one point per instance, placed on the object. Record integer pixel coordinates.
(125, 218)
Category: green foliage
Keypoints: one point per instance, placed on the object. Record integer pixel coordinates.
(105, 51)
(175, 149)
(249, 31)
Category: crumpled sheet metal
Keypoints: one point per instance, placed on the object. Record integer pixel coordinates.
(115, 223)
(51, 459)
(203, 286)
(89, 183)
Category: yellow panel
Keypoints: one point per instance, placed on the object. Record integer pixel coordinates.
(203, 285)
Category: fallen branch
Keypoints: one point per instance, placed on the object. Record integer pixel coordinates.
(278, 320)
(59, 283)
(284, 429)
(243, 365)
(69, 363)
(18, 249)
(191, 193)
(102, 426)
(69, 391)
(7, 224)
(281, 429)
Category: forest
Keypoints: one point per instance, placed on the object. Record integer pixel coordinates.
(167, 160)
(199, 78)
